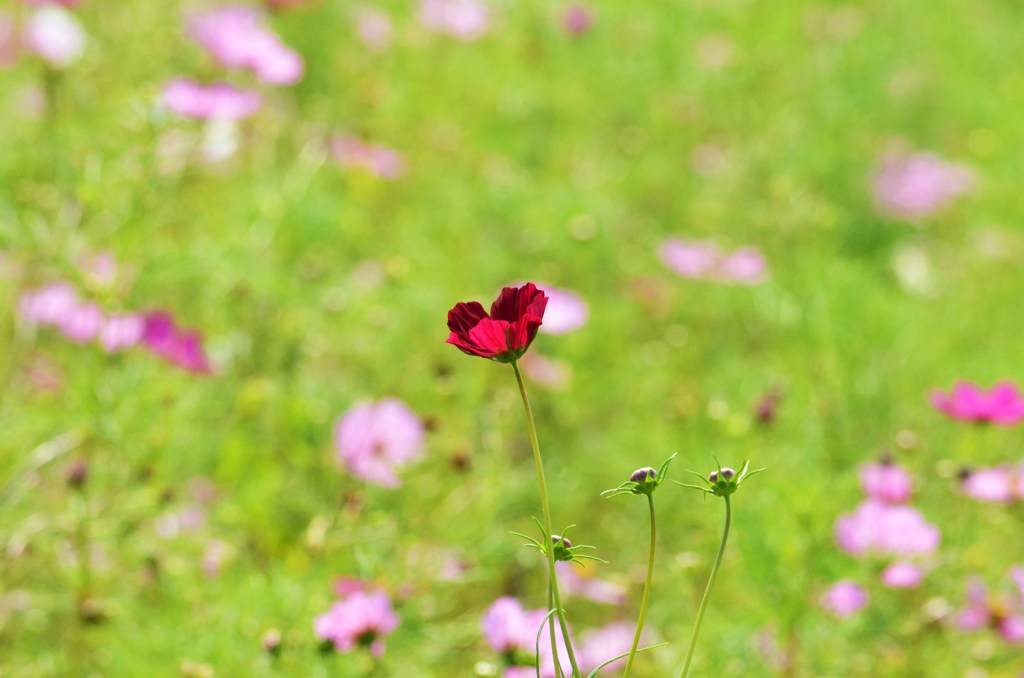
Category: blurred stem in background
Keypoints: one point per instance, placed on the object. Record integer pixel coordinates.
(707, 591)
(647, 588)
(549, 550)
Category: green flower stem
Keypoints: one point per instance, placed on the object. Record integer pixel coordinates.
(551, 626)
(707, 591)
(647, 588)
(552, 575)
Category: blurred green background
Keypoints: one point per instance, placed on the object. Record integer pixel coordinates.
(530, 154)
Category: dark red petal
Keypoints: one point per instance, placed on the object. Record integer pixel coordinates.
(464, 345)
(465, 317)
(513, 302)
(491, 337)
(523, 332)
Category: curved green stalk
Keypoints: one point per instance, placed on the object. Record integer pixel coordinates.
(647, 588)
(552, 575)
(707, 591)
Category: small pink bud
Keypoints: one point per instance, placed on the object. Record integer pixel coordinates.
(642, 474)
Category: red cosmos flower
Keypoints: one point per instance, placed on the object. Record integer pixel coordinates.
(507, 332)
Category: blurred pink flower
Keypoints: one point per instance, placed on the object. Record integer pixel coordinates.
(55, 35)
(463, 19)
(566, 310)
(184, 349)
(1002, 614)
(508, 628)
(346, 586)
(877, 528)
(373, 27)
(82, 323)
(374, 439)
(844, 598)
(745, 265)
(916, 185)
(999, 484)
(119, 332)
(214, 556)
(48, 305)
(600, 645)
(577, 19)
(886, 481)
(1002, 405)
(902, 575)
(362, 619)
(9, 45)
(549, 372)
(353, 153)
(704, 259)
(236, 38)
(219, 101)
(590, 587)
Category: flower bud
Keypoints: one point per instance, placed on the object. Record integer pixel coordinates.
(642, 474)
(559, 540)
(76, 474)
(271, 641)
(727, 474)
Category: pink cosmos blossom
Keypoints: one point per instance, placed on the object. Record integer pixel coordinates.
(566, 311)
(120, 332)
(600, 645)
(373, 27)
(916, 185)
(374, 439)
(463, 19)
(1003, 404)
(362, 619)
(354, 153)
(508, 628)
(844, 598)
(346, 586)
(902, 575)
(55, 35)
(236, 38)
(218, 102)
(999, 484)
(886, 482)
(82, 323)
(9, 46)
(182, 348)
(1002, 614)
(49, 305)
(745, 265)
(885, 529)
(577, 19)
(705, 260)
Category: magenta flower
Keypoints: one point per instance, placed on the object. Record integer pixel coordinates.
(55, 35)
(463, 19)
(878, 528)
(236, 38)
(844, 598)
(374, 439)
(999, 484)
(705, 260)
(352, 153)
(902, 575)
(218, 102)
(182, 348)
(886, 481)
(362, 619)
(1003, 615)
(1002, 405)
(916, 185)
(577, 20)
